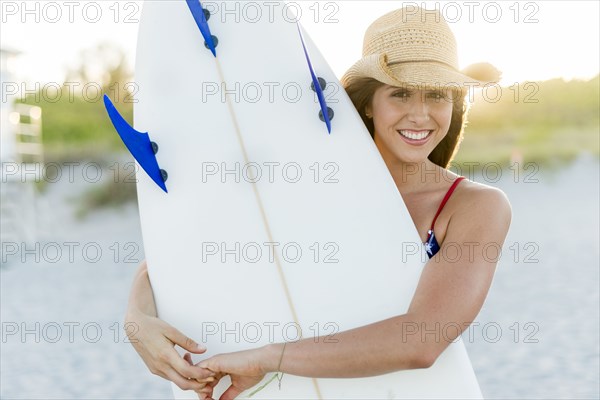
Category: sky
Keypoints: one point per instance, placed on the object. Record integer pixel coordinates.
(527, 40)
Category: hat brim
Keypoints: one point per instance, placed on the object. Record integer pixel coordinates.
(420, 75)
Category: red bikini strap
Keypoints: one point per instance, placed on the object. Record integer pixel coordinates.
(448, 194)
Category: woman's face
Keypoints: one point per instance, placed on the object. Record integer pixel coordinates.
(409, 124)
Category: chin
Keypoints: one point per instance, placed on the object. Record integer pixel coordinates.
(409, 158)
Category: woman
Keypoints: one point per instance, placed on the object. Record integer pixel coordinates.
(411, 96)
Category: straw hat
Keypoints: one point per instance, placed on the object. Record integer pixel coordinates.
(413, 46)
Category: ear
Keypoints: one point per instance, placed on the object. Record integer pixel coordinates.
(368, 112)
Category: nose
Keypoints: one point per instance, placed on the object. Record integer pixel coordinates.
(418, 112)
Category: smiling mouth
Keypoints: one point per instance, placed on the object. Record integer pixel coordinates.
(415, 135)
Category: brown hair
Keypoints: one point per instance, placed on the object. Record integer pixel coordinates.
(361, 93)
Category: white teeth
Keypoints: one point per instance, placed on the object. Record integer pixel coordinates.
(415, 136)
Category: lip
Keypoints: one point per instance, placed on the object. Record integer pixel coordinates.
(415, 142)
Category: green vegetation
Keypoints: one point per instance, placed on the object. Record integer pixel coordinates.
(75, 123)
(76, 128)
(544, 122)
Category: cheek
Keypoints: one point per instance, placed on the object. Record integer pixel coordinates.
(385, 114)
(379, 117)
(444, 117)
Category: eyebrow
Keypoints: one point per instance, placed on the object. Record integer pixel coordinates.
(393, 88)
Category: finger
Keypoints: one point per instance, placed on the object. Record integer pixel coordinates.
(184, 341)
(186, 369)
(210, 364)
(202, 395)
(188, 357)
(183, 383)
(205, 394)
(215, 380)
(210, 387)
(207, 381)
(230, 394)
(204, 382)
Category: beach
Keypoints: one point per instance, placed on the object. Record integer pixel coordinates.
(63, 303)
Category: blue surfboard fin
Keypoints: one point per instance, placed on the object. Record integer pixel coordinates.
(138, 144)
(326, 113)
(198, 13)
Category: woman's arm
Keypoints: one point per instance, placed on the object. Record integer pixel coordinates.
(449, 295)
(141, 298)
(154, 340)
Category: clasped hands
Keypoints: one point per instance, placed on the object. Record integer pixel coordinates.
(154, 340)
(245, 368)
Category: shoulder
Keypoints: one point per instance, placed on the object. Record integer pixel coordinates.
(483, 197)
(482, 205)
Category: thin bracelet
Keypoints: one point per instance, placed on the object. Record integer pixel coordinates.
(279, 378)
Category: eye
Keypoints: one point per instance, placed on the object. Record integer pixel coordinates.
(401, 94)
(437, 96)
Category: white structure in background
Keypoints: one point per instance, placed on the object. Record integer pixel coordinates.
(7, 134)
(20, 150)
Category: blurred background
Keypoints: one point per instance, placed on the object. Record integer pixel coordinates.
(70, 232)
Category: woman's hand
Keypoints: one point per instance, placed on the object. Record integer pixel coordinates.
(154, 340)
(246, 369)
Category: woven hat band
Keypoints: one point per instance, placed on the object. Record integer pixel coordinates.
(391, 64)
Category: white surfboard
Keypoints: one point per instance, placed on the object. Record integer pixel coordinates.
(271, 225)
